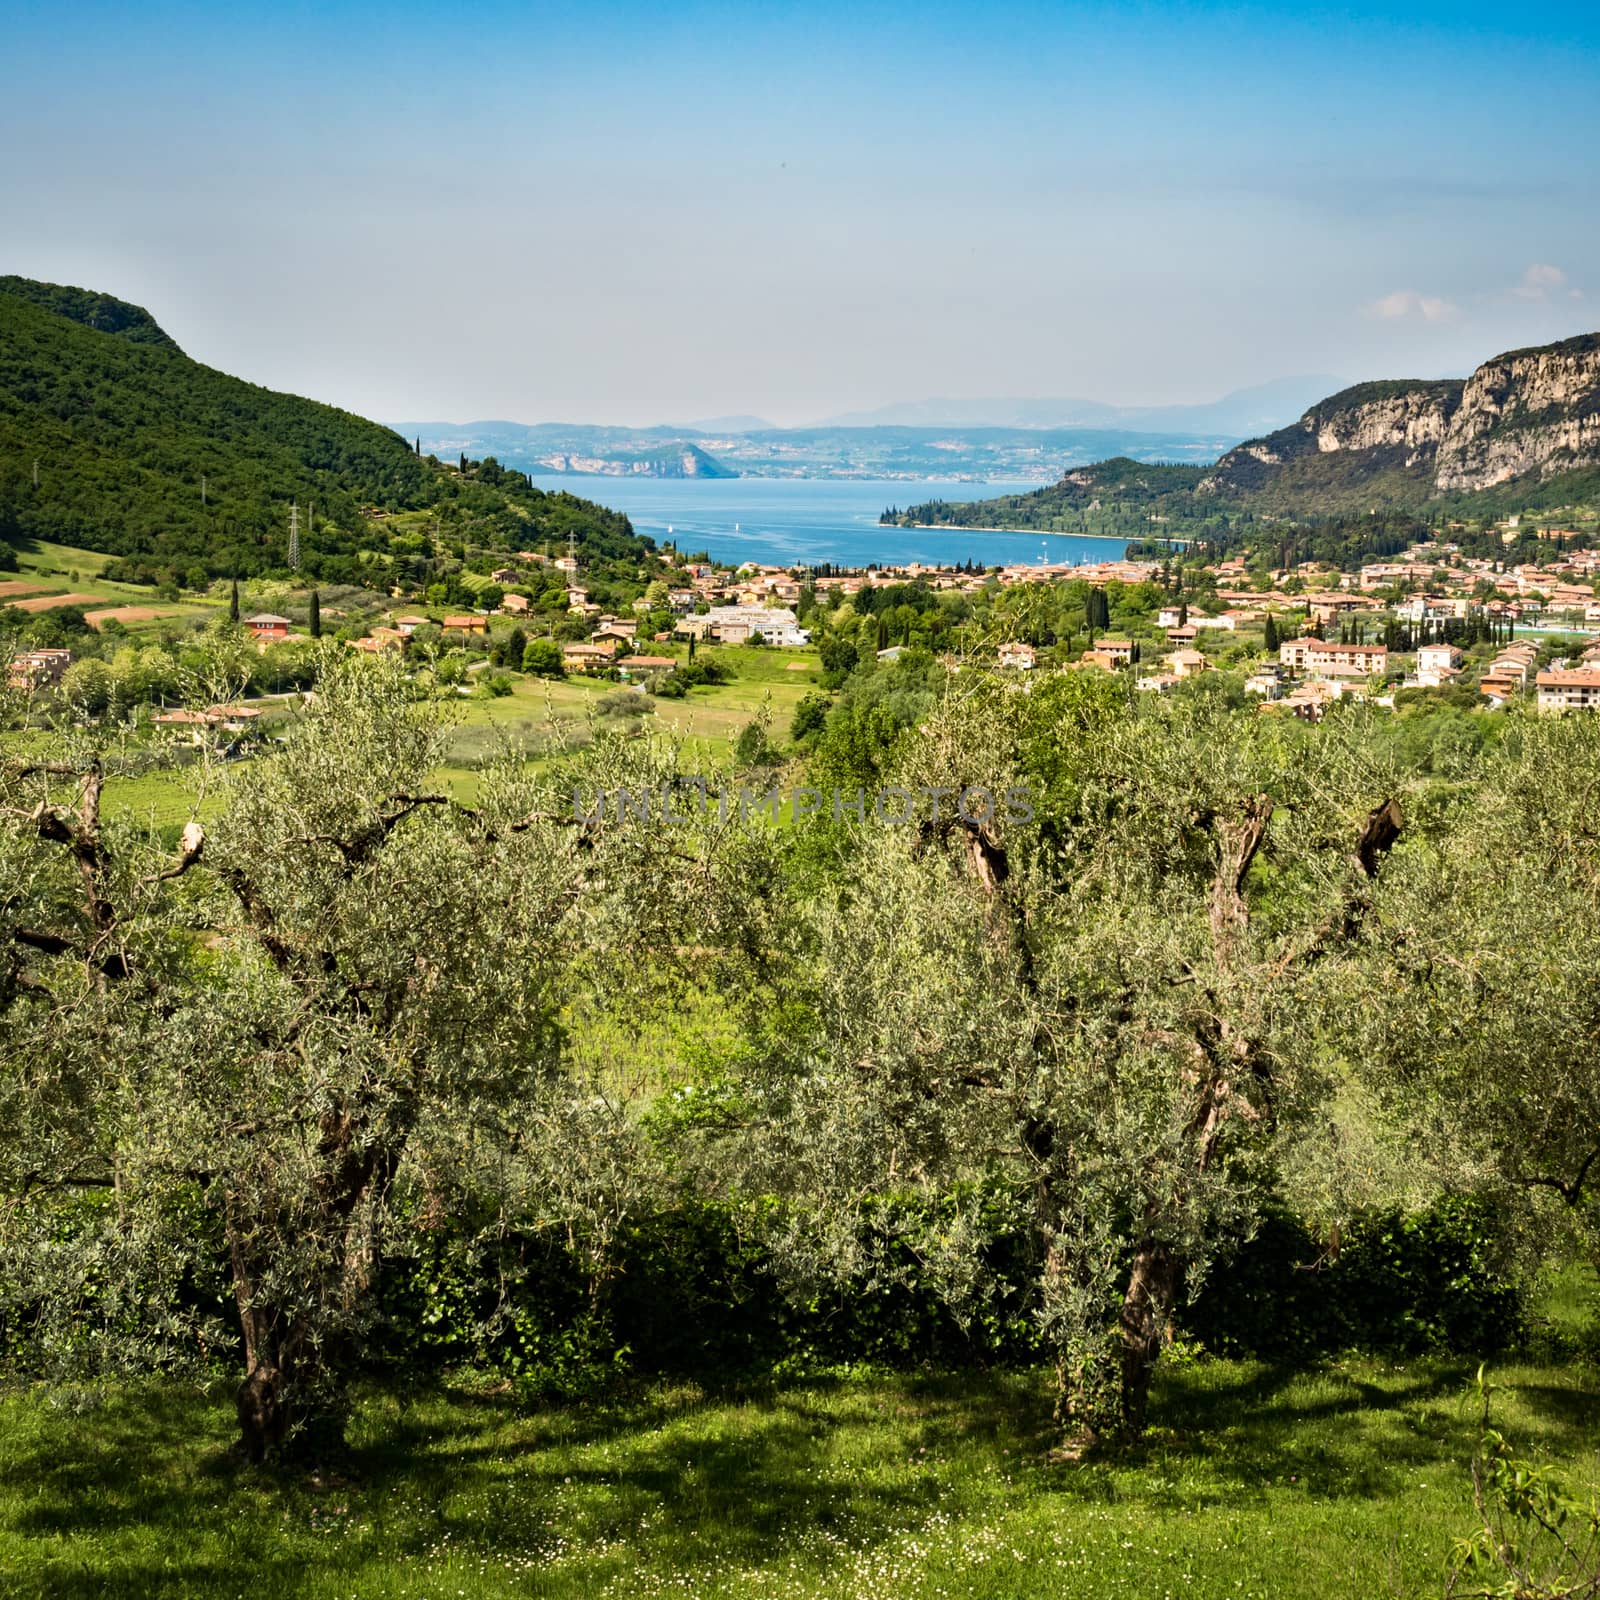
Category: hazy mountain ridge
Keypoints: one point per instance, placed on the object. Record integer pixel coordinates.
(915, 454)
(1240, 414)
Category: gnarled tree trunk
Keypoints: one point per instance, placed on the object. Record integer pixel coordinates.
(1146, 1308)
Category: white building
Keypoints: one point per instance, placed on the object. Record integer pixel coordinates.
(1576, 689)
(738, 624)
(1437, 664)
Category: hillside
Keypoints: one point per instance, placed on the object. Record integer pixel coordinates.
(112, 439)
(1522, 431)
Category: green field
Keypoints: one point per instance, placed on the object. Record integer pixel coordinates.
(708, 719)
(45, 569)
(537, 712)
(1345, 1483)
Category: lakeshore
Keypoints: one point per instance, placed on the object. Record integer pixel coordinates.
(815, 521)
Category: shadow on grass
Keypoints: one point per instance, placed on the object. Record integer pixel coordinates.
(146, 1496)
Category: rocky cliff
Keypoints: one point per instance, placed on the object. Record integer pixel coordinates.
(1532, 413)
(678, 461)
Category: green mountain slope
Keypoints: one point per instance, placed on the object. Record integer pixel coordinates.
(112, 439)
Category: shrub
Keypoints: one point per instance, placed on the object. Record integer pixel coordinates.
(1429, 1281)
(625, 703)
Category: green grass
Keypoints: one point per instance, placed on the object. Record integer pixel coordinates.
(164, 798)
(49, 569)
(40, 556)
(709, 718)
(1349, 1481)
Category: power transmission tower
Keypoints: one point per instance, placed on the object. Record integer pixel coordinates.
(572, 552)
(294, 535)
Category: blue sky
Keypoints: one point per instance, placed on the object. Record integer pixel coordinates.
(644, 213)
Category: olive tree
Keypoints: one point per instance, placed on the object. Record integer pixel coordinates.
(1106, 1007)
(223, 1060)
(1491, 997)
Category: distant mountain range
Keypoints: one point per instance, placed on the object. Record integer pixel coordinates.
(977, 454)
(1523, 431)
(923, 439)
(1238, 415)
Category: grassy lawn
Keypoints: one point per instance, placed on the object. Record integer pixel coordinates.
(1345, 1482)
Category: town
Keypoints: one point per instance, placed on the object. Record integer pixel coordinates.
(1297, 640)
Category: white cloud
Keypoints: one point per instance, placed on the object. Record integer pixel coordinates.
(1409, 303)
(1540, 280)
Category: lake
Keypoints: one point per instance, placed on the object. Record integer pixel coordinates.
(785, 521)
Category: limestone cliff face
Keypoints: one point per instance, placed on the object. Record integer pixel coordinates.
(1414, 418)
(1532, 411)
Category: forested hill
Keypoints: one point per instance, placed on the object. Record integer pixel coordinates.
(1522, 432)
(112, 439)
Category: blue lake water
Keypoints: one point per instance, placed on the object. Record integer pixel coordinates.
(784, 521)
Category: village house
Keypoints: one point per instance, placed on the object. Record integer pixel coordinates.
(1514, 664)
(1230, 621)
(465, 624)
(409, 625)
(1570, 689)
(380, 640)
(1334, 660)
(738, 623)
(1437, 664)
(231, 719)
(1118, 651)
(1184, 635)
(647, 664)
(1325, 607)
(1187, 663)
(1158, 682)
(1021, 656)
(1381, 575)
(515, 604)
(586, 657)
(33, 669)
(264, 626)
(1431, 608)
(1307, 701)
(1266, 682)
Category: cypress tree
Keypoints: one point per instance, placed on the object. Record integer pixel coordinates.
(233, 599)
(316, 615)
(1271, 640)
